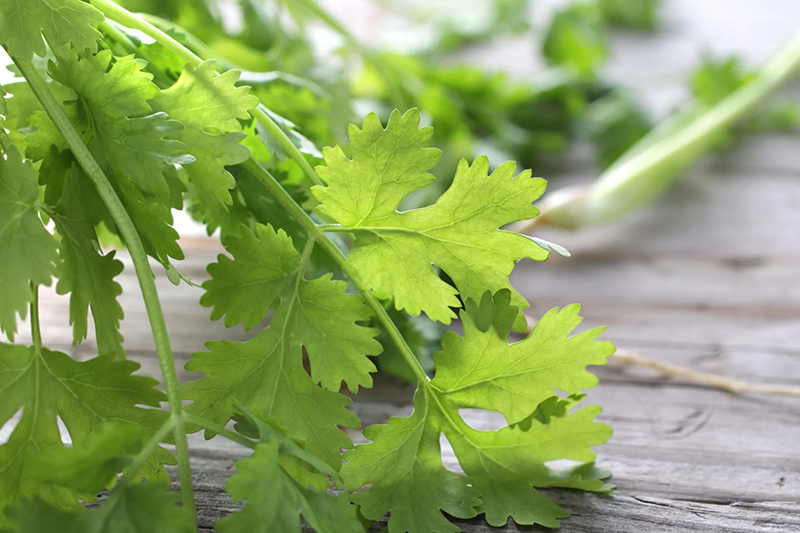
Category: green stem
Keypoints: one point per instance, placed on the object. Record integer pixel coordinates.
(139, 257)
(311, 228)
(136, 465)
(126, 18)
(36, 332)
(662, 156)
(219, 429)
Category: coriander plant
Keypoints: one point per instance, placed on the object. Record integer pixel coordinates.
(103, 134)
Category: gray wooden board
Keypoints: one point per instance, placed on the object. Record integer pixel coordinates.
(706, 277)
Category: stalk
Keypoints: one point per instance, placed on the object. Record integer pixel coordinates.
(122, 16)
(664, 154)
(143, 271)
(36, 332)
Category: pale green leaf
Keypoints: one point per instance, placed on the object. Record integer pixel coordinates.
(209, 105)
(459, 233)
(480, 370)
(63, 22)
(503, 468)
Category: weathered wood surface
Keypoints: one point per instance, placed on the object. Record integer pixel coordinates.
(707, 277)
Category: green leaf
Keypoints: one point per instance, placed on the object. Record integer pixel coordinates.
(93, 466)
(276, 501)
(144, 508)
(503, 468)
(28, 252)
(85, 273)
(635, 14)
(47, 385)
(480, 370)
(135, 143)
(210, 106)
(266, 268)
(459, 233)
(266, 374)
(576, 39)
(136, 148)
(22, 23)
(403, 465)
(716, 79)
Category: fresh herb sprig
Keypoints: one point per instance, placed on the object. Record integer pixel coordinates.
(112, 133)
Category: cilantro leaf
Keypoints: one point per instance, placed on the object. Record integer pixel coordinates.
(635, 14)
(22, 23)
(266, 373)
(28, 252)
(85, 273)
(480, 370)
(276, 499)
(210, 106)
(715, 79)
(502, 468)
(135, 147)
(93, 466)
(459, 233)
(265, 268)
(47, 385)
(143, 508)
(136, 143)
(576, 39)
(403, 465)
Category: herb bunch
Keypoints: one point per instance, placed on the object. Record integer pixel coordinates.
(103, 135)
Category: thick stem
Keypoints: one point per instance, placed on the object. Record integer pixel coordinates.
(141, 265)
(664, 154)
(126, 18)
(297, 212)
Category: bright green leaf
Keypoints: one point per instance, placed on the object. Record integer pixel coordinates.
(65, 22)
(459, 233)
(209, 106)
(480, 370)
(576, 39)
(503, 468)
(266, 374)
(47, 385)
(28, 252)
(265, 268)
(403, 465)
